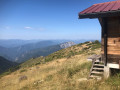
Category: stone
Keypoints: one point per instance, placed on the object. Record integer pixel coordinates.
(106, 72)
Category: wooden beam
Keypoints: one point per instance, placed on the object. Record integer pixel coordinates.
(105, 34)
(119, 64)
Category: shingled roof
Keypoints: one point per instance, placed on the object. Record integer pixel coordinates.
(101, 10)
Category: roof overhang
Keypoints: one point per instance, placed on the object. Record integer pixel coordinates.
(100, 14)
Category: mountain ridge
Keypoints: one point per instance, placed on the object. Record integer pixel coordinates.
(31, 50)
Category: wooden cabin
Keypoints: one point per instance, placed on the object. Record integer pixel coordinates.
(108, 14)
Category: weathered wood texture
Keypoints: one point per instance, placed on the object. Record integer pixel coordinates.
(113, 40)
(112, 58)
(119, 64)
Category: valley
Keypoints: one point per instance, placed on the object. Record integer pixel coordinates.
(6, 64)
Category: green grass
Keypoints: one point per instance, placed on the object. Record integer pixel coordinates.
(72, 71)
(49, 78)
(23, 70)
(114, 80)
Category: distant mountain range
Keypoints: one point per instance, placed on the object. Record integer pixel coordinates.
(17, 42)
(35, 49)
(43, 51)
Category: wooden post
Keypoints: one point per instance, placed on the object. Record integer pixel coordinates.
(119, 64)
(104, 28)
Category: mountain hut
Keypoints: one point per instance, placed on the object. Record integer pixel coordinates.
(108, 14)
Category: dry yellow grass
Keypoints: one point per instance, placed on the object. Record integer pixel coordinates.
(59, 74)
(39, 73)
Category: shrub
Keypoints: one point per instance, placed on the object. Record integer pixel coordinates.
(80, 44)
(49, 78)
(96, 42)
(23, 70)
(86, 42)
(22, 78)
(37, 63)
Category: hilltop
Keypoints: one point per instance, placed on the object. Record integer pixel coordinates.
(65, 69)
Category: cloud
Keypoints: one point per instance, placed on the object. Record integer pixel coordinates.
(28, 27)
(38, 29)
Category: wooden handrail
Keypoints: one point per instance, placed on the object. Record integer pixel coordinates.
(93, 62)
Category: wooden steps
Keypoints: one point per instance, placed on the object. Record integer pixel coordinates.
(97, 70)
(99, 65)
(97, 61)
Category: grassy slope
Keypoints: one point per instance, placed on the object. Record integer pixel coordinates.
(83, 48)
(63, 72)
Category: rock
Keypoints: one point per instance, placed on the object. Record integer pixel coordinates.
(38, 81)
(82, 79)
(94, 56)
(23, 78)
(67, 44)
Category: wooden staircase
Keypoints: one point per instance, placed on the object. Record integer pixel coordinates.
(97, 70)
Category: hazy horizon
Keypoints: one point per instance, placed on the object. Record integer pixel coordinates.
(50, 39)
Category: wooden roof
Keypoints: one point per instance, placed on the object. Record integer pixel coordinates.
(101, 10)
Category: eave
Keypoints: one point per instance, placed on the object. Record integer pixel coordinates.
(100, 14)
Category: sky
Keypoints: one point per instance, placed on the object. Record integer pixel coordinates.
(47, 19)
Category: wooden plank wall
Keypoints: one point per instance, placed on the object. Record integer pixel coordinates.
(113, 41)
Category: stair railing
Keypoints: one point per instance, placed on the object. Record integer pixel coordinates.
(93, 62)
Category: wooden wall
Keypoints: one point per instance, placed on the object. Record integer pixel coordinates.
(113, 40)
